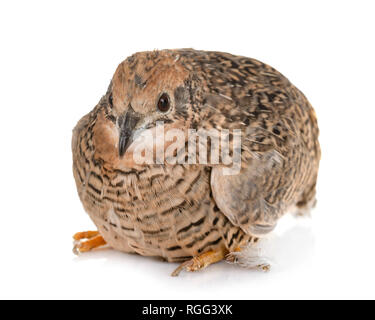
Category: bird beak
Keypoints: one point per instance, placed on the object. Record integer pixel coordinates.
(127, 124)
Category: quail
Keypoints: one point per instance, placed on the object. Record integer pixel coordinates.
(194, 213)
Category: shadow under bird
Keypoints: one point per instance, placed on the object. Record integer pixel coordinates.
(194, 213)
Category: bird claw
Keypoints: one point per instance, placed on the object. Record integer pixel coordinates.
(77, 244)
(265, 267)
(200, 262)
(190, 266)
(86, 241)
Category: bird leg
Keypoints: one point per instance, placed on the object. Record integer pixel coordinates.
(85, 235)
(201, 261)
(93, 240)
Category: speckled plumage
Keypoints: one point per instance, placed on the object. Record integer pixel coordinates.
(180, 211)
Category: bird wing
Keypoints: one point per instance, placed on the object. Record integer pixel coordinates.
(275, 167)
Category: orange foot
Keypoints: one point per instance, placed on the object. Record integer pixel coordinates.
(201, 261)
(92, 240)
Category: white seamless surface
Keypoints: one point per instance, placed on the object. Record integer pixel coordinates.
(57, 60)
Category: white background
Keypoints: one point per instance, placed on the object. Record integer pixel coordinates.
(56, 61)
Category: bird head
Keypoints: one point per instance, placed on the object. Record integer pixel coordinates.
(147, 88)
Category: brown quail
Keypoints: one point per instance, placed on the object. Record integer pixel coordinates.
(194, 213)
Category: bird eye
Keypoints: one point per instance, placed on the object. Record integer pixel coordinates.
(164, 103)
(110, 100)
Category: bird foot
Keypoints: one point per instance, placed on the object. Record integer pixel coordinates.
(86, 241)
(200, 262)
